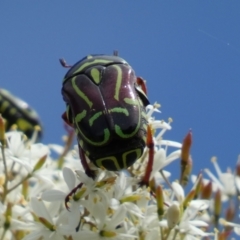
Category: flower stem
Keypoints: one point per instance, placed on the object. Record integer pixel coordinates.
(21, 182)
(6, 172)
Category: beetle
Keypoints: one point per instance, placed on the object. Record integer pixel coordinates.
(16, 111)
(105, 104)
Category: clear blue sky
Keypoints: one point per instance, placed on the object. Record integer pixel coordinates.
(188, 51)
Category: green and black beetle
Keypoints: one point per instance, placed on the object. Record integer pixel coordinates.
(18, 112)
(106, 106)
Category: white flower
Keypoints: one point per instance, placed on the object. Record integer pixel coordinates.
(236, 226)
(225, 181)
(111, 206)
(106, 227)
(152, 108)
(124, 196)
(185, 221)
(16, 145)
(189, 223)
(55, 195)
(49, 226)
(22, 157)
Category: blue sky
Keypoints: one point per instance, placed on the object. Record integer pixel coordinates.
(187, 51)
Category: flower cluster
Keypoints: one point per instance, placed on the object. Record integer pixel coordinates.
(42, 197)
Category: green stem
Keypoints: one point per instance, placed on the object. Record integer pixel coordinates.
(3, 234)
(175, 234)
(24, 179)
(6, 172)
(166, 180)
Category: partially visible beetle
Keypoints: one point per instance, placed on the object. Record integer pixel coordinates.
(105, 104)
(18, 112)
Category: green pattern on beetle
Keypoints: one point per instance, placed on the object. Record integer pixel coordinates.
(137, 151)
(94, 117)
(80, 93)
(130, 101)
(89, 64)
(120, 110)
(118, 82)
(106, 109)
(95, 75)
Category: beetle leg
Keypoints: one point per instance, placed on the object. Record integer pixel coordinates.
(90, 173)
(71, 193)
(141, 82)
(150, 145)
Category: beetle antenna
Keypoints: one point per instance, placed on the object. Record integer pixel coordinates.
(115, 52)
(64, 63)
